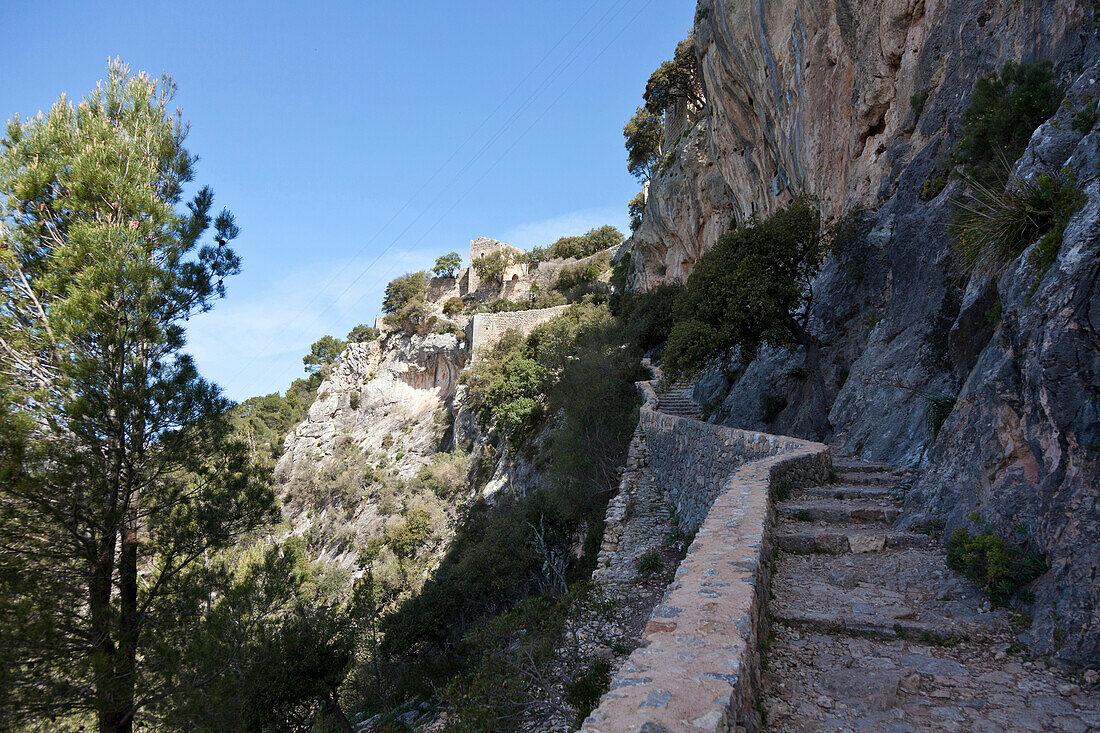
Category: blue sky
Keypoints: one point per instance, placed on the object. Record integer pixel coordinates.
(356, 141)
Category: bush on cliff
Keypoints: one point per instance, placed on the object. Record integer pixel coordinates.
(505, 387)
(675, 80)
(643, 133)
(1004, 111)
(636, 208)
(447, 265)
(648, 316)
(992, 225)
(404, 290)
(593, 241)
(490, 268)
(999, 569)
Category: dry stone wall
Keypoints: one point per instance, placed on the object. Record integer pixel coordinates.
(699, 664)
(485, 329)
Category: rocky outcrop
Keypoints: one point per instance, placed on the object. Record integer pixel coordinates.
(386, 404)
(688, 206)
(1022, 447)
(854, 103)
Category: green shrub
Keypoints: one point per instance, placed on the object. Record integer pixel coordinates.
(581, 273)
(584, 691)
(593, 241)
(354, 399)
(1004, 111)
(445, 476)
(747, 291)
(453, 306)
(933, 186)
(362, 334)
(999, 569)
(447, 265)
(938, 410)
(547, 299)
(505, 386)
(1085, 119)
(635, 209)
(916, 102)
(650, 563)
(643, 134)
(403, 291)
(647, 317)
(992, 226)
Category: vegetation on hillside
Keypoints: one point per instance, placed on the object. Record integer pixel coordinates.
(1003, 112)
(574, 386)
(490, 268)
(676, 80)
(643, 133)
(447, 265)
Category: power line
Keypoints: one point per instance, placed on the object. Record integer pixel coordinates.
(513, 117)
(517, 112)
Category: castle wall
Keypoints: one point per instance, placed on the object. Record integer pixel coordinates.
(485, 329)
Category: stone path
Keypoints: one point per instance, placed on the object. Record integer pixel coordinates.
(871, 631)
(677, 400)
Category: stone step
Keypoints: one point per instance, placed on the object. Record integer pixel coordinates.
(804, 539)
(681, 411)
(936, 629)
(908, 592)
(838, 511)
(865, 478)
(883, 493)
(857, 466)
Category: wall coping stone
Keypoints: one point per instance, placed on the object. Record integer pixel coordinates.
(698, 668)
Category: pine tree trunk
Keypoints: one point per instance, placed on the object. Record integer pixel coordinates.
(126, 659)
(103, 648)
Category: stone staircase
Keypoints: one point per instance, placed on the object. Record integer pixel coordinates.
(677, 400)
(870, 630)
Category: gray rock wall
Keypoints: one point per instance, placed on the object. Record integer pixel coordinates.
(819, 98)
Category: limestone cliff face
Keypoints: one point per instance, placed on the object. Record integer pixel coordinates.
(853, 102)
(689, 205)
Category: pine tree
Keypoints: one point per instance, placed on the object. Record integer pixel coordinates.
(119, 477)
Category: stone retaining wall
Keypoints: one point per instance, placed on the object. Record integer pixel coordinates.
(485, 329)
(699, 664)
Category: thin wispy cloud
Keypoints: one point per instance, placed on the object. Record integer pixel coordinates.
(253, 344)
(546, 231)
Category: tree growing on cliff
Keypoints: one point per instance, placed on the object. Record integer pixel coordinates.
(119, 474)
(447, 265)
(675, 80)
(490, 268)
(403, 290)
(325, 350)
(643, 133)
(635, 209)
(753, 288)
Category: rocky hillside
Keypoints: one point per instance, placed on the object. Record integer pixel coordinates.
(381, 413)
(859, 105)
